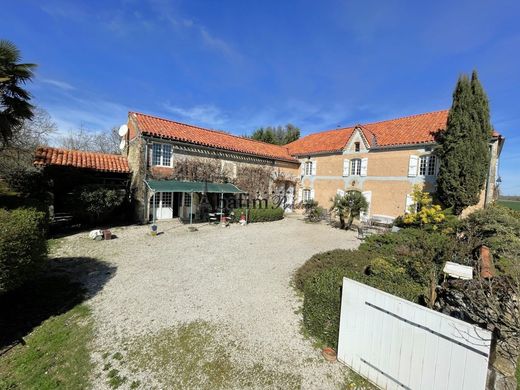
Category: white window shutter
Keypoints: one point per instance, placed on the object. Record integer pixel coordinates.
(364, 166)
(302, 173)
(409, 204)
(346, 167)
(314, 164)
(312, 194)
(412, 166)
(368, 197)
(300, 195)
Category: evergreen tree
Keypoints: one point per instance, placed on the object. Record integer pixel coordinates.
(464, 151)
(279, 135)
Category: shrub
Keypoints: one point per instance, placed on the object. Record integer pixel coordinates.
(348, 207)
(259, 214)
(313, 211)
(321, 278)
(96, 203)
(355, 260)
(423, 212)
(23, 246)
(498, 228)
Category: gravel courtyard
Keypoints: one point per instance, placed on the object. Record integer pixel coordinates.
(206, 309)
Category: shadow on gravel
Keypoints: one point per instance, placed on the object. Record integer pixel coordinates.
(64, 283)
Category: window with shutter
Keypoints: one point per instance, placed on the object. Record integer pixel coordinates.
(314, 167)
(306, 195)
(412, 165)
(308, 168)
(355, 167)
(364, 166)
(409, 203)
(346, 167)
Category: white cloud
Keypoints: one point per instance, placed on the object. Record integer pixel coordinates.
(204, 115)
(58, 83)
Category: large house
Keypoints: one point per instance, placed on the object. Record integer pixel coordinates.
(180, 170)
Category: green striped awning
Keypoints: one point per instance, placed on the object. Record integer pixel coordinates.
(192, 186)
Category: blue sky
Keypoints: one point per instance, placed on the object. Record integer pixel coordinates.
(238, 65)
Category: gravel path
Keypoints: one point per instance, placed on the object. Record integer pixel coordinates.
(237, 278)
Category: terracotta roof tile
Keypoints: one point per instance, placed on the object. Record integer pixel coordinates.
(150, 125)
(410, 130)
(326, 141)
(103, 162)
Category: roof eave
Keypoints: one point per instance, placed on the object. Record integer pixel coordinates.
(149, 134)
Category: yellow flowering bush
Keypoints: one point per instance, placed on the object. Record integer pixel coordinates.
(423, 211)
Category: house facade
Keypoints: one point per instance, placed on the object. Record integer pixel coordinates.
(383, 160)
(184, 171)
(177, 170)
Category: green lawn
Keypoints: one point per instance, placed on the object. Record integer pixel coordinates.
(512, 204)
(56, 355)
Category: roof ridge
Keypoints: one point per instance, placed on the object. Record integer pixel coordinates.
(80, 151)
(205, 129)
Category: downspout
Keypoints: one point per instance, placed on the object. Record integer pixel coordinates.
(147, 203)
(488, 176)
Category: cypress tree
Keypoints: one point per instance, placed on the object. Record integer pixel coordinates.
(463, 146)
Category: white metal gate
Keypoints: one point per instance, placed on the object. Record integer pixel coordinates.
(398, 344)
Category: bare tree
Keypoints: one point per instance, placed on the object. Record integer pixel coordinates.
(32, 133)
(82, 139)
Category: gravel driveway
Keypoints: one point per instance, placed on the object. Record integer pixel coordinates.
(232, 283)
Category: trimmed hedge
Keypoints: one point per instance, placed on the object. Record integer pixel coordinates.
(23, 246)
(260, 214)
(321, 280)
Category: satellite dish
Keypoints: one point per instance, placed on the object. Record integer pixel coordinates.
(123, 130)
(122, 144)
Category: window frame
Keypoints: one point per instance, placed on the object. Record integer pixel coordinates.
(160, 148)
(355, 167)
(308, 168)
(427, 165)
(187, 199)
(304, 197)
(357, 147)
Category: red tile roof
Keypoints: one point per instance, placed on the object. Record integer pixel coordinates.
(103, 162)
(158, 127)
(326, 141)
(410, 130)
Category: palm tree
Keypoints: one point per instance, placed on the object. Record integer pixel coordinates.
(348, 207)
(14, 100)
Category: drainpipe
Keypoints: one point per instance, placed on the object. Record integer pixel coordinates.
(488, 176)
(146, 197)
(191, 207)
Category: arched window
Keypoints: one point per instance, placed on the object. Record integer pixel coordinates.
(355, 167)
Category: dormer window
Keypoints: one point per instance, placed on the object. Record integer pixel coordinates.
(357, 146)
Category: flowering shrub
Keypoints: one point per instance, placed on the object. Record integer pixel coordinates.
(423, 211)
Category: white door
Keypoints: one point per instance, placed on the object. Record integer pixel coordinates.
(165, 206)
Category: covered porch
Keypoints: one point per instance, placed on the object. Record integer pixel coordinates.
(188, 201)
